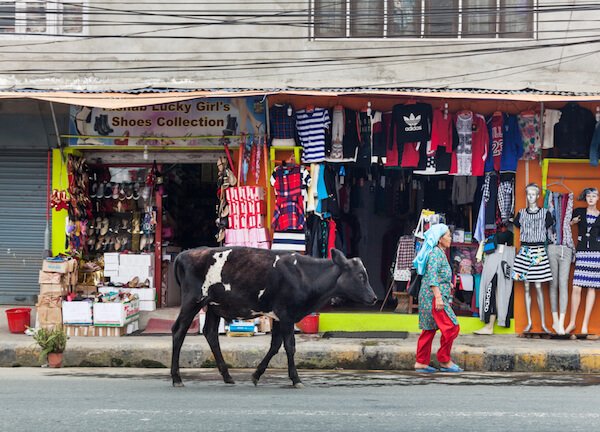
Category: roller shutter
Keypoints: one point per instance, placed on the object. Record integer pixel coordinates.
(22, 223)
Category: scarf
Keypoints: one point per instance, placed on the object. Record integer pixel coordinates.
(432, 237)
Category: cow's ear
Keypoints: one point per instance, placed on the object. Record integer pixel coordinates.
(338, 258)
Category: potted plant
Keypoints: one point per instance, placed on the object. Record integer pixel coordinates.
(53, 343)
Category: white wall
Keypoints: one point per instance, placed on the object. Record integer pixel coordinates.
(204, 60)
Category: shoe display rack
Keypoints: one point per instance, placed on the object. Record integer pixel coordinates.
(123, 211)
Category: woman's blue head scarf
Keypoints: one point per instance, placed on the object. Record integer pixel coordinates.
(432, 237)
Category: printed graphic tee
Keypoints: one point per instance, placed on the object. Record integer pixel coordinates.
(412, 122)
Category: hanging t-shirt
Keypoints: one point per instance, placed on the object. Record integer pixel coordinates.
(462, 157)
(378, 136)
(363, 158)
(512, 148)
(479, 145)
(412, 122)
(283, 126)
(573, 133)
(551, 117)
(496, 137)
(312, 126)
(441, 131)
(529, 126)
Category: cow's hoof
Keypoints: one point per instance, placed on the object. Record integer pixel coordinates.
(254, 380)
(178, 384)
(228, 380)
(299, 385)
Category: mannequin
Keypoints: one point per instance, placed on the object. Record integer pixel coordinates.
(496, 284)
(560, 254)
(587, 258)
(531, 263)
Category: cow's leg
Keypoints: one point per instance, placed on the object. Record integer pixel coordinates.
(189, 309)
(289, 342)
(276, 342)
(211, 333)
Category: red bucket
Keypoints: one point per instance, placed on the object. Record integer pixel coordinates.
(309, 324)
(18, 319)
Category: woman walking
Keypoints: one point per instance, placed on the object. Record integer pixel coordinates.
(435, 295)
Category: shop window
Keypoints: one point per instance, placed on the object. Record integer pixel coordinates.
(404, 18)
(72, 17)
(330, 18)
(42, 17)
(479, 18)
(7, 17)
(516, 19)
(441, 19)
(366, 18)
(489, 19)
(35, 17)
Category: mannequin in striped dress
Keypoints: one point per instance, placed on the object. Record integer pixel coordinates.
(531, 263)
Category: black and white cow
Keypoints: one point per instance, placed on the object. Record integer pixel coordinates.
(239, 282)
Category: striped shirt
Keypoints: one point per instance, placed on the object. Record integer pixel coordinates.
(533, 226)
(311, 131)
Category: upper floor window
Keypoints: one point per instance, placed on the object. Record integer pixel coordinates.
(42, 17)
(423, 18)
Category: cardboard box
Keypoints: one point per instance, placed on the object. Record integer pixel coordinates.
(125, 279)
(264, 325)
(77, 312)
(58, 266)
(111, 273)
(92, 331)
(111, 258)
(49, 310)
(144, 294)
(53, 288)
(85, 290)
(136, 260)
(116, 314)
(147, 305)
(51, 278)
(202, 317)
(141, 272)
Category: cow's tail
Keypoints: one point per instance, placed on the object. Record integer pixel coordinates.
(178, 270)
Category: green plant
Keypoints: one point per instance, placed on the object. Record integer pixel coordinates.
(50, 341)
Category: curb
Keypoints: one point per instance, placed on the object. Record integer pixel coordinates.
(310, 354)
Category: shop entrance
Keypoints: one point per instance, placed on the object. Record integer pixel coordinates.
(188, 205)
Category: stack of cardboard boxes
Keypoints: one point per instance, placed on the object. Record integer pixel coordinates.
(57, 279)
(127, 268)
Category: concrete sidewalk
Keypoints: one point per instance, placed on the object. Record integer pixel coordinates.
(506, 353)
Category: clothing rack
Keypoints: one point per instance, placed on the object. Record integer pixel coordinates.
(546, 166)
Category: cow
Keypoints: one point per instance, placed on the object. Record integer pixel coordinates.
(243, 283)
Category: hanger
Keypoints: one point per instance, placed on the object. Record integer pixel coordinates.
(310, 108)
(445, 110)
(559, 183)
(597, 114)
(369, 108)
(411, 101)
(528, 112)
(497, 112)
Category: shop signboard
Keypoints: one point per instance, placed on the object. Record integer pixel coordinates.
(196, 122)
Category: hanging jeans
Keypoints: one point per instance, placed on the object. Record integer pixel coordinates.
(494, 266)
(560, 264)
(449, 333)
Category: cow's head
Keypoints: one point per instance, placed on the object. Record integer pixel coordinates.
(354, 281)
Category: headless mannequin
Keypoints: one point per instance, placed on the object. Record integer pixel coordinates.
(591, 199)
(533, 195)
(488, 329)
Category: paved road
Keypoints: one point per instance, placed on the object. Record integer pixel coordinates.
(91, 400)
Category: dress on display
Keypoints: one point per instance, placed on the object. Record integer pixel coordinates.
(531, 263)
(587, 255)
